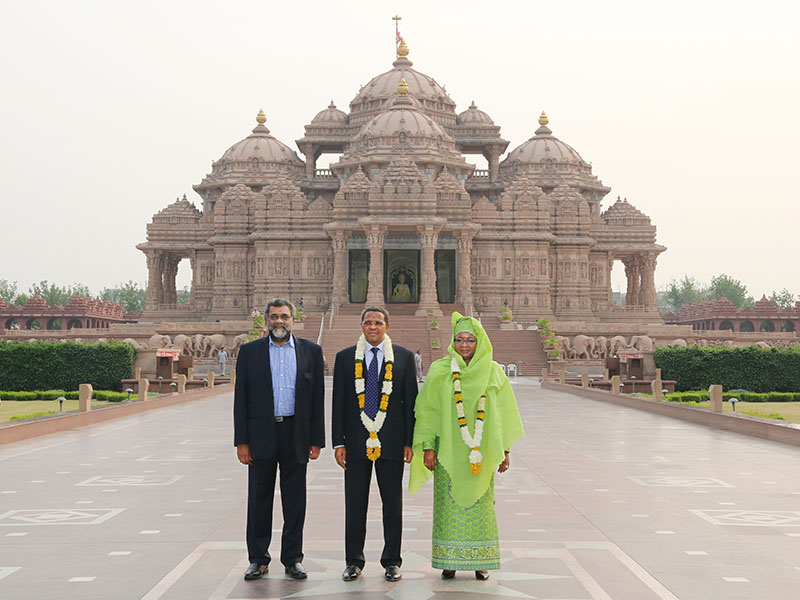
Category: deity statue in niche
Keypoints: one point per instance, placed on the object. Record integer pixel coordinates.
(401, 292)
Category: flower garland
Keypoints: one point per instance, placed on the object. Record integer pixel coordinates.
(373, 426)
(473, 442)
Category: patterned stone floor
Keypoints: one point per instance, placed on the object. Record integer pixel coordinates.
(601, 502)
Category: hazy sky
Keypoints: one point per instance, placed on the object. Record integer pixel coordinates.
(111, 110)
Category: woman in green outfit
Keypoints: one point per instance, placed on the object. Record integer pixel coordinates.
(467, 420)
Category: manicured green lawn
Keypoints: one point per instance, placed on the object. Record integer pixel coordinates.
(790, 411)
(13, 408)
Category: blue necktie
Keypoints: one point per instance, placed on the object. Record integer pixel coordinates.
(372, 392)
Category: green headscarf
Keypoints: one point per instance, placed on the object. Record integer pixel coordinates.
(437, 423)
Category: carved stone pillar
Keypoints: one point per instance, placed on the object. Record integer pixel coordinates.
(170, 293)
(648, 293)
(375, 237)
(308, 151)
(155, 287)
(339, 242)
(464, 282)
(633, 274)
(428, 236)
(494, 164)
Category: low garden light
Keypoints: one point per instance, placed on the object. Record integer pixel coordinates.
(633, 384)
(173, 385)
(205, 382)
(733, 404)
(664, 395)
(160, 379)
(61, 403)
(129, 391)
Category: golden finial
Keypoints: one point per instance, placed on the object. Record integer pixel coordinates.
(402, 49)
(402, 87)
(261, 118)
(543, 120)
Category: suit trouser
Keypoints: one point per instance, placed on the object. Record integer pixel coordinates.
(260, 496)
(357, 478)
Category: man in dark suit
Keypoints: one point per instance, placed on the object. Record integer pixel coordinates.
(278, 418)
(371, 378)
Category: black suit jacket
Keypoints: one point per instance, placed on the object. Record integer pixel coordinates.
(398, 428)
(254, 405)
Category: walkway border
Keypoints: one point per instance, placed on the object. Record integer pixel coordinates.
(745, 424)
(55, 424)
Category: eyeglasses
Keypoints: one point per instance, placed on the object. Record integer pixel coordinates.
(373, 323)
(285, 318)
(469, 342)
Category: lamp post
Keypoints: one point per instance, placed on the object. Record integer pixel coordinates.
(160, 379)
(633, 384)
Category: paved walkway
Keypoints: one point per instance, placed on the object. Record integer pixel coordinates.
(601, 502)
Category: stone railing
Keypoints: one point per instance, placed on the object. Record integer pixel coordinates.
(479, 175)
(324, 174)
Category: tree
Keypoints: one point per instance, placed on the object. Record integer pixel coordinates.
(725, 286)
(686, 291)
(782, 299)
(130, 295)
(184, 294)
(56, 295)
(8, 291)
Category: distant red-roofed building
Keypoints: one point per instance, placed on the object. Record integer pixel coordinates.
(88, 313)
(721, 315)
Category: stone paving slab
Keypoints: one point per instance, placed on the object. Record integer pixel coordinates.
(601, 502)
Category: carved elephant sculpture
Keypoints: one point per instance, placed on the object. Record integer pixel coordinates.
(642, 342)
(563, 346)
(159, 341)
(601, 347)
(198, 340)
(616, 345)
(762, 344)
(132, 342)
(212, 344)
(184, 342)
(678, 342)
(237, 343)
(582, 347)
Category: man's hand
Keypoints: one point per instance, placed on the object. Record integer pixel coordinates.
(430, 459)
(313, 454)
(504, 465)
(408, 453)
(243, 454)
(340, 454)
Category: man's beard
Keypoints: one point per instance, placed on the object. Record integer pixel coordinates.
(279, 333)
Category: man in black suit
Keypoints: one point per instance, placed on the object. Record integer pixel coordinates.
(371, 378)
(278, 418)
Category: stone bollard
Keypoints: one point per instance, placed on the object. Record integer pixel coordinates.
(190, 373)
(144, 387)
(137, 373)
(658, 374)
(715, 391)
(656, 386)
(615, 385)
(562, 377)
(85, 397)
(211, 376)
(544, 375)
(605, 374)
(233, 377)
(181, 383)
(585, 381)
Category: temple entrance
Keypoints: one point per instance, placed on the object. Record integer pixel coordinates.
(445, 262)
(401, 276)
(358, 273)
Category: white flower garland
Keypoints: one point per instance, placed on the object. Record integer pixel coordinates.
(373, 426)
(472, 441)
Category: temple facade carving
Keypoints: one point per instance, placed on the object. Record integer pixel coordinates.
(402, 216)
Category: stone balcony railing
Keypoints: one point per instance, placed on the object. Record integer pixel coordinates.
(479, 175)
(324, 174)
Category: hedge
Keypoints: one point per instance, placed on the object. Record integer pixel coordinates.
(751, 367)
(28, 366)
(101, 395)
(702, 396)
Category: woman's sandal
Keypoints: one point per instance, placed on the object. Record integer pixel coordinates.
(481, 575)
(448, 574)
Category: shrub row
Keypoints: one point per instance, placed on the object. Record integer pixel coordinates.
(102, 395)
(26, 366)
(752, 368)
(702, 396)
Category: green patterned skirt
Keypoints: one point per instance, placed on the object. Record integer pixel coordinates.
(464, 539)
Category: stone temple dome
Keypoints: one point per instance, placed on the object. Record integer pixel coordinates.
(330, 115)
(544, 147)
(381, 89)
(474, 116)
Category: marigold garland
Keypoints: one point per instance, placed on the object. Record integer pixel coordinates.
(472, 442)
(373, 426)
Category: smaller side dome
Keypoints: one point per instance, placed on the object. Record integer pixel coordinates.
(473, 116)
(330, 115)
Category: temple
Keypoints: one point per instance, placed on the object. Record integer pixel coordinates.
(402, 217)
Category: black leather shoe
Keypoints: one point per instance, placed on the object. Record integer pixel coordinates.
(351, 573)
(446, 574)
(296, 571)
(393, 573)
(481, 575)
(255, 571)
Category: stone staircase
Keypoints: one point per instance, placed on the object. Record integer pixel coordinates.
(522, 348)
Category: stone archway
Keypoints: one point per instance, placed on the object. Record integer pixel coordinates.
(746, 326)
(726, 325)
(33, 323)
(767, 326)
(55, 324)
(13, 325)
(787, 326)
